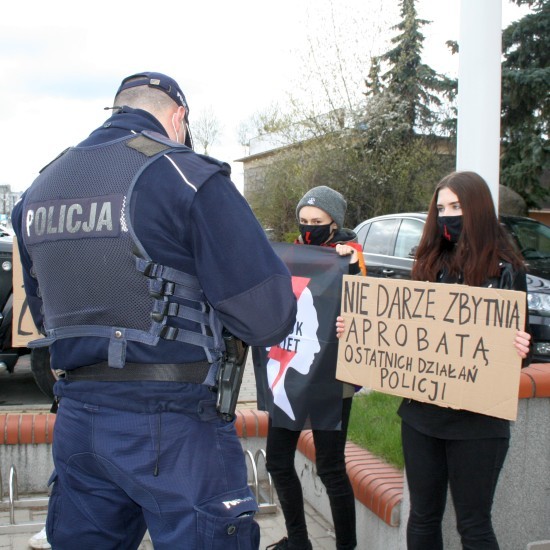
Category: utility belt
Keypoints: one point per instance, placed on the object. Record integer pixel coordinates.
(193, 373)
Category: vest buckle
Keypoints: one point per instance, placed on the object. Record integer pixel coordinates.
(169, 333)
(160, 313)
(152, 270)
(159, 288)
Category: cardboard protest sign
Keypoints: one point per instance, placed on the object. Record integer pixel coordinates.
(450, 345)
(23, 329)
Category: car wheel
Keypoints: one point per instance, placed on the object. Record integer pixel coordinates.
(44, 376)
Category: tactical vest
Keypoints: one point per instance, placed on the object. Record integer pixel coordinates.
(85, 241)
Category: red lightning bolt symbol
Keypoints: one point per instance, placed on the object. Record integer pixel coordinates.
(284, 356)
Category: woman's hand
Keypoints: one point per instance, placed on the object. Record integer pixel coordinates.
(346, 250)
(340, 326)
(521, 343)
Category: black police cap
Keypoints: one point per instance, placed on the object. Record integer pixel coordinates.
(156, 80)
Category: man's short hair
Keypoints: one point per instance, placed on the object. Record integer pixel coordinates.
(141, 97)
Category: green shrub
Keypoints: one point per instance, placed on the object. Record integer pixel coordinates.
(375, 425)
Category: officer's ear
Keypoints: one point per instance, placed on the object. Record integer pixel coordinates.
(181, 116)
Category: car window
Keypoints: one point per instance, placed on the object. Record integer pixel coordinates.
(361, 233)
(532, 237)
(408, 238)
(380, 237)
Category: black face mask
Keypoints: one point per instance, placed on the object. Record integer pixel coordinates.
(450, 227)
(315, 234)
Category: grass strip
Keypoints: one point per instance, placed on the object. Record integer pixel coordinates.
(374, 425)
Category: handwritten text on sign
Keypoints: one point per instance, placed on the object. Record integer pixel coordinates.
(450, 345)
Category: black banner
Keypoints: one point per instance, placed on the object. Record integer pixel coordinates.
(296, 379)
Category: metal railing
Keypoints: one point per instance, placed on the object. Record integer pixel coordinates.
(263, 488)
(13, 503)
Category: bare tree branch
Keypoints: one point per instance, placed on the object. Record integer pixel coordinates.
(206, 129)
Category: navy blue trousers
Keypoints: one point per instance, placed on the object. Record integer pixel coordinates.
(180, 475)
(470, 468)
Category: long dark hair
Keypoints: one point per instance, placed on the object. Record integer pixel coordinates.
(483, 242)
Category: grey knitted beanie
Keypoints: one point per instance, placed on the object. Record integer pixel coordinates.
(327, 199)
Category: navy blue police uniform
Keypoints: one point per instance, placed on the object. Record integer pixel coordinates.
(135, 252)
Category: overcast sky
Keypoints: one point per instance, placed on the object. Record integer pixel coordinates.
(61, 61)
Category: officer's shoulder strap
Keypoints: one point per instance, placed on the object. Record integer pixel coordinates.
(152, 143)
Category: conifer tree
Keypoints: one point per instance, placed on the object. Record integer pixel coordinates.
(526, 102)
(408, 79)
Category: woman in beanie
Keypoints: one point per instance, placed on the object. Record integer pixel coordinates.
(320, 214)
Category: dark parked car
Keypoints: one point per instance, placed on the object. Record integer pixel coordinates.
(390, 242)
(8, 355)
(40, 357)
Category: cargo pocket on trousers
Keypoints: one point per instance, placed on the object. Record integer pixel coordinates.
(226, 522)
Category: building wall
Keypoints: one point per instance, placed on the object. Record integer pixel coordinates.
(540, 215)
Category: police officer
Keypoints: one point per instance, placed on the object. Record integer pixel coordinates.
(136, 252)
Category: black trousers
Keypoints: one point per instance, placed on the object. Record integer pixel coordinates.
(470, 468)
(331, 467)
